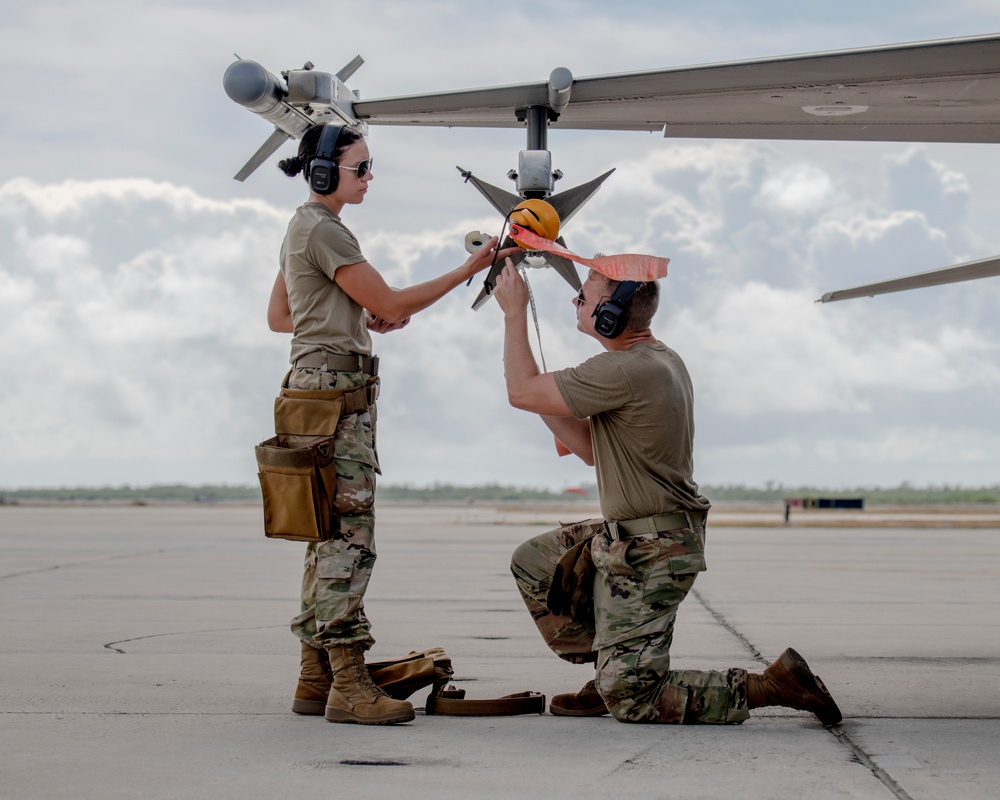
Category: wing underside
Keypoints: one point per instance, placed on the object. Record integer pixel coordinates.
(941, 91)
(987, 268)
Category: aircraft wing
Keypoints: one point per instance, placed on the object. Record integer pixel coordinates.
(987, 268)
(946, 90)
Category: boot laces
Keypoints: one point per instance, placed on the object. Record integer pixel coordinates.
(360, 670)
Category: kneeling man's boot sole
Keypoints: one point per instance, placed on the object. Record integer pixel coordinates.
(789, 682)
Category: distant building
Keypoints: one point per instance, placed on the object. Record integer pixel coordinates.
(855, 503)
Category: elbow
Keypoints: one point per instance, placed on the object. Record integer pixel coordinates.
(391, 306)
(279, 324)
(395, 310)
(518, 400)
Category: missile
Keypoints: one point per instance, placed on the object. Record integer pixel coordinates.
(304, 98)
(253, 87)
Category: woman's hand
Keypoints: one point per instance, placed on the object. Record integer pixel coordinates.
(483, 257)
(379, 325)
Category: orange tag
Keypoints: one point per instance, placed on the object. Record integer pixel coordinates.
(624, 267)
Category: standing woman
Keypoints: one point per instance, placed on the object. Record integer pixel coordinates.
(329, 297)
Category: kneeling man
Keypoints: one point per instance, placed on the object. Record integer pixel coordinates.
(608, 590)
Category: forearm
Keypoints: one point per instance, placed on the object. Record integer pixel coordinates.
(519, 366)
(526, 387)
(402, 303)
(367, 288)
(533, 391)
(574, 434)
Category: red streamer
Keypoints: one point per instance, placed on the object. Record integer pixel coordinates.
(623, 267)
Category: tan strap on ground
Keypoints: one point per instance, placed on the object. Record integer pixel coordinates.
(452, 702)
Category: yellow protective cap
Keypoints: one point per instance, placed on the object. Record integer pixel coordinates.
(537, 216)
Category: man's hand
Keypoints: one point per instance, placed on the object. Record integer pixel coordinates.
(379, 325)
(511, 291)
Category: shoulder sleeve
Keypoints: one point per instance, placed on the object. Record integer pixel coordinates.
(332, 245)
(597, 385)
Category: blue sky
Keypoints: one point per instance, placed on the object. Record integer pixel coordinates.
(134, 271)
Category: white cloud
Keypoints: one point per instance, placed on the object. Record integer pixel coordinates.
(799, 189)
(134, 272)
(759, 350)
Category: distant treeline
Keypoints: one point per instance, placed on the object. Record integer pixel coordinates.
(904, 494)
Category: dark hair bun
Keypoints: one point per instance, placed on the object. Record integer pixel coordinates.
(291, 166)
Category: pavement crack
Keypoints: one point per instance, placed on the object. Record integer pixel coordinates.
(855, 749)
(865, 760)
(80, 563)
(111, 645)
(725, 623)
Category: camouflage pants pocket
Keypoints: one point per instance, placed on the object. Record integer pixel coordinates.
(354, 487)
(533, 566)
(343, 568)
(636, 591)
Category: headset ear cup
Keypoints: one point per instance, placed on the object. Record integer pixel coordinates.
(611, 316)
(323, 174)
(610, 319)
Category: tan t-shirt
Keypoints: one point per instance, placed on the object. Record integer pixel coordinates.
(641, 408)
(324, 317)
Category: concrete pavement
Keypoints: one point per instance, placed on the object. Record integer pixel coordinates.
(144, 652)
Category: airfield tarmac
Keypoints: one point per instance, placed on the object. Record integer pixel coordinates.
(145, 653)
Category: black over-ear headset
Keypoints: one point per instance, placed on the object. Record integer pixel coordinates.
(612, 315)
(321, 171)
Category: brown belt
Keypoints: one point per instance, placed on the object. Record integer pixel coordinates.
(338, 362)
(650, 526)
(451, 702)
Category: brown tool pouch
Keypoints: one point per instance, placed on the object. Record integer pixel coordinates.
(401, 677)
(296, 467)
(296, 483)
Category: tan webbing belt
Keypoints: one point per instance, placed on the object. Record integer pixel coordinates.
(355, 400)
(651, 526)
(338, 362)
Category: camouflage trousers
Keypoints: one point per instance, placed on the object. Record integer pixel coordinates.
(638, 584)
(337, 570)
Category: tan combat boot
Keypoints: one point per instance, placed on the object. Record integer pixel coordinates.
(315, 678)
(353, 697)
(584, 703)
(790, 683)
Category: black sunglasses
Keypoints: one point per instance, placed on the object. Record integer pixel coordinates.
(361, 169)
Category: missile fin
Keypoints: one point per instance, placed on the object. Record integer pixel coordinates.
(264, 152)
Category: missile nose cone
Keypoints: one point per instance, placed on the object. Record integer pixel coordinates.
(247, 82)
